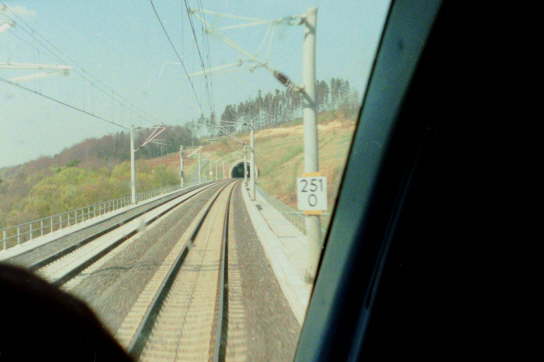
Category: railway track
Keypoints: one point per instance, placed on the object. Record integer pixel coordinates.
(64, 264)
(181, 314)
(45, 254)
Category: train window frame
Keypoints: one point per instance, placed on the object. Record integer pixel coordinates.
(358, 237)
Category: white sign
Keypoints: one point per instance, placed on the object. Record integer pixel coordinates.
(312, 193)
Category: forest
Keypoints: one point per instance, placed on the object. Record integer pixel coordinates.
(277, 107)
(93, 170)
(98, 169)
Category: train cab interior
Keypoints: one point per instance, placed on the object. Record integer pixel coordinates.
(401, 225)
(383, 287)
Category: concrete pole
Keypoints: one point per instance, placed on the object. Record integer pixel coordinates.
(181, 176)
(253, 169)
(245, 166)
(311, 150)
(199, 169)
(216, 170)
(224, 176)
(132, 168)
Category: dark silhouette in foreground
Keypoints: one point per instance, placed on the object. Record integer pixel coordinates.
(38, 321)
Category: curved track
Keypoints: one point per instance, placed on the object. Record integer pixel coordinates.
(68, 261)
(181, 314)
(42, 255)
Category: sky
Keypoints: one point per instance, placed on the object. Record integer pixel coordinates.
(120, 46)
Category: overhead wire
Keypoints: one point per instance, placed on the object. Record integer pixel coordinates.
(43, 95)
(20, 38)
(208, 58)
(270, 40)
(176, 53)
(209, 77)
(208, 80)
(54, 51)
(264, 40)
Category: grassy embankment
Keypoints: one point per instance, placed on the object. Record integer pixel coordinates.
(31, 195)
(280, 156)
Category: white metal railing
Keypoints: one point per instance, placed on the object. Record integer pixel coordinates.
(18, 234)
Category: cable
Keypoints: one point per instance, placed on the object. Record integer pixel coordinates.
(207, 49)
(61, 102)
(176, 52)
(18, 37)
(83, 73)
(59, 55)
(207, 79)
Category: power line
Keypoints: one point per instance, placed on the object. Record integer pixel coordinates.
(207, 83)
(84, 74)
(60, 102)
(176, 52)
(20, 38)
(207, 50)
(59, 55)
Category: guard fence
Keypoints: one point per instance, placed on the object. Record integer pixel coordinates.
(18, 234)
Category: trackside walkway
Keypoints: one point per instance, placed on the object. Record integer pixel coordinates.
(286, 249)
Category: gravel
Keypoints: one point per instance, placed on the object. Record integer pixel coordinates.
(272, 327)
(78, 237)
(112, 289)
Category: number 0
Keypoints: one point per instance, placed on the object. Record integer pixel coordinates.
(312, 200)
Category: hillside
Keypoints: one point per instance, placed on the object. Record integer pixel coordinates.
(88, 172)
(280, 155)
(97, 169)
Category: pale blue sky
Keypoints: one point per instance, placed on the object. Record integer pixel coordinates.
(121, 44)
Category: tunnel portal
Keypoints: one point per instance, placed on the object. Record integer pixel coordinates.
(237, 170)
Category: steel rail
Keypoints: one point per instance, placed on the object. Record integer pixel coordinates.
(88, 261)
(65, 251)
(223, 298)
(138, 341)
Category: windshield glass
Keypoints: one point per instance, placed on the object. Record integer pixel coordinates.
(175, 163)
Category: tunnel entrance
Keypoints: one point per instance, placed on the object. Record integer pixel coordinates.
(237, 171)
